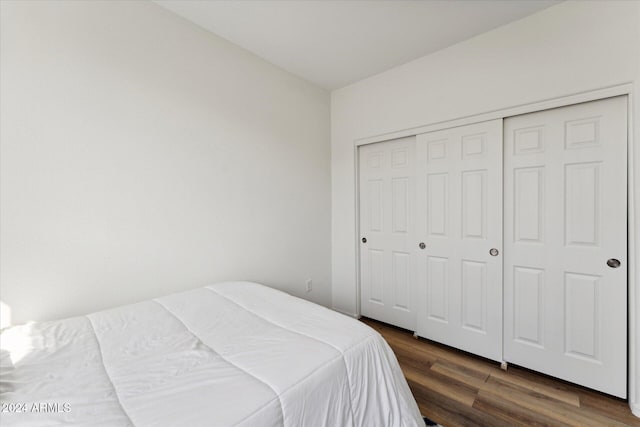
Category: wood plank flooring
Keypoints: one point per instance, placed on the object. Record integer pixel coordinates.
(455, 389)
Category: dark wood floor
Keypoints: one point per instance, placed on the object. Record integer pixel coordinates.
(455, 388)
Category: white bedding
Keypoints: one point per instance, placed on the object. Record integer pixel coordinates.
(234, 353)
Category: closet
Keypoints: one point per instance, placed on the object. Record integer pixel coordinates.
(388, 248)
(505, 238)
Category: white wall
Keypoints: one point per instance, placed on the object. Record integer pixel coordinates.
(569, 48)
(141, 155)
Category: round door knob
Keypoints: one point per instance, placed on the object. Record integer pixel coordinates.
(364, 240)
(493, 252)
(613, 263)
(422, 245)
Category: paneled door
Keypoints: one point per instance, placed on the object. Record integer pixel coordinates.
(459, 220)
(566, 243)
(387, 235)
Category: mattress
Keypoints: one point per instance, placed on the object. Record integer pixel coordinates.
(229, 354)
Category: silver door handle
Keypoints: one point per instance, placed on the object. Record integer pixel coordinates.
(422, 245)
(493, 252)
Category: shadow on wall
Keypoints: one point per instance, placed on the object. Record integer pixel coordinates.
(5, 315)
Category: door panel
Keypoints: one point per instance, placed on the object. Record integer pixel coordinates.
(528, 296)
(565, 216)
(459, 218)
(437, 300)
(387, 264)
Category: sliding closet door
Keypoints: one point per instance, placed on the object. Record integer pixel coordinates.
(566, 243)
(459, 220)
(387, 245)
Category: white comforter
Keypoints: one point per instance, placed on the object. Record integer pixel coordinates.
(233, 353)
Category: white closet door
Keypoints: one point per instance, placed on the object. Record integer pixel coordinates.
(565, 217)
(459, 219)
(387, 246)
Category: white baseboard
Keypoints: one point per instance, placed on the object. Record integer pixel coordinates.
(346, 313)
(635, 409)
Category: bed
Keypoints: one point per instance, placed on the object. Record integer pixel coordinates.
(228, 354)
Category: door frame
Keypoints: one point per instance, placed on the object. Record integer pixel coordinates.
(633, 199)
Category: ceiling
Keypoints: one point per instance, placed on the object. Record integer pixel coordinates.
(335, 43)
